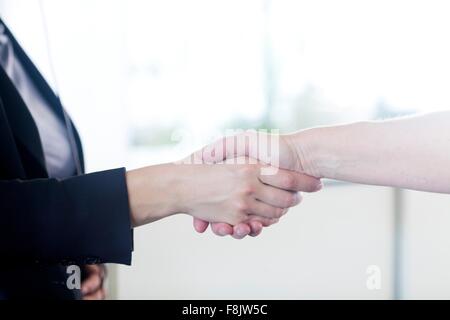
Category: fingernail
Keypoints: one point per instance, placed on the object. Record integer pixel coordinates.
(319, 186)
(222, 232)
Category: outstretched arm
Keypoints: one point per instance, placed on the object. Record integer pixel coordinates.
(89, 218)
(409, 152)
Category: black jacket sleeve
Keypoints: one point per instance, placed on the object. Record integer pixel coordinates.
(80, 220)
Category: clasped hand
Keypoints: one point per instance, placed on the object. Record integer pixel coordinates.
(233, 190)
(278, 193)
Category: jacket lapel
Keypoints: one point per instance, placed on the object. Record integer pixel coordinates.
(37, 78)
(10, 165)
(23, 126)
(52, 99)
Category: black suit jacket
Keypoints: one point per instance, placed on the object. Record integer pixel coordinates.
(46, 224)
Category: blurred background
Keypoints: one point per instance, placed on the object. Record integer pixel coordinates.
(165, 77)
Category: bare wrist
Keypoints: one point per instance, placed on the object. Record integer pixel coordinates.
(307, 147)
(325, 152)
(151, 193)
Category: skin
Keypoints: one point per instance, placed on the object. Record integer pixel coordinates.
(409, 152)
(254, 227)
(92, 287)
(226, 192)
(288, 159)
(233, 193)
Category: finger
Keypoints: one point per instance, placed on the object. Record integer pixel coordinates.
(266, 222)
(200, 226)
(96, 268)
(264, 210)
(222, 229)
(291, 180)
(241, 230)
(277, 198)
(256, 228)
(91, 268)
(92, 283)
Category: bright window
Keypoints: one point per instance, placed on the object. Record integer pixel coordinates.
(156, 70)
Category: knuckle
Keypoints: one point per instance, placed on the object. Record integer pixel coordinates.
(311, 187)
(242, 208)
(289, 200)
(247, 170)
(289, 182)
(247, 189)
(278, 213)
(232, 218)
(238, 217)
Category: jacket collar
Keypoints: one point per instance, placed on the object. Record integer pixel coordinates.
(36, 76)
(26, 130)
(23, 125)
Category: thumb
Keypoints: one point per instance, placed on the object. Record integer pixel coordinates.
(240, 145)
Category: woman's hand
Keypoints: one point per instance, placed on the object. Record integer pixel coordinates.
(228, 192)
(92, 287)
(257, 145)
(252, 228)
(235, 193)
(295, 182)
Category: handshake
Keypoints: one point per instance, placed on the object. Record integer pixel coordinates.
(238, 184)
(269, 178)
(243, 183)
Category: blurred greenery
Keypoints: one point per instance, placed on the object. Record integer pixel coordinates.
(310, 109)
(153, 136)
(306, 110)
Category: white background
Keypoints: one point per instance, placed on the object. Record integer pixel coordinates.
(124, 65)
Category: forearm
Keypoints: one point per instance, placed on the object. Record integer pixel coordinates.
(411, 152)
(230, 193)
(152, 193)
